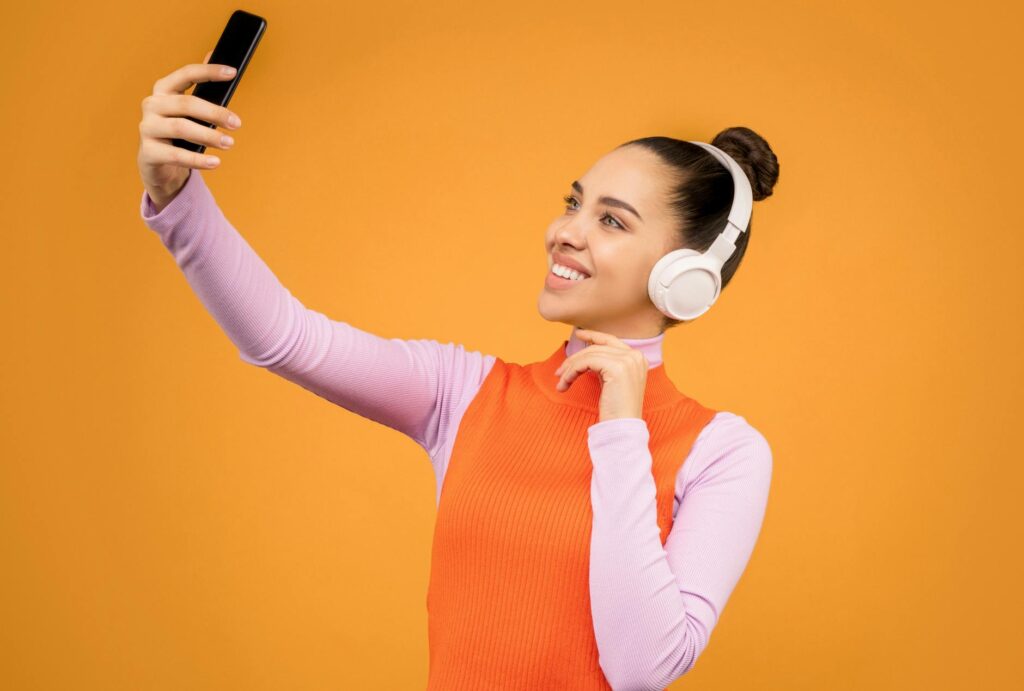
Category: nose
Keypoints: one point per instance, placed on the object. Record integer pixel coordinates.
(569, 234)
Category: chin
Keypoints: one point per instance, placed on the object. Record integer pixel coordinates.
(548, 311)
(555, 313)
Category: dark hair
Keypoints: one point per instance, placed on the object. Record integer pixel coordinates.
(702, 191)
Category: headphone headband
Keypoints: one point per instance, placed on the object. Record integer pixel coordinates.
(685, 282)
(742, 203)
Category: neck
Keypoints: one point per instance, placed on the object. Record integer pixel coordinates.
(651, 347)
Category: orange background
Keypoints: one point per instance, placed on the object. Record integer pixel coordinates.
(171, 517)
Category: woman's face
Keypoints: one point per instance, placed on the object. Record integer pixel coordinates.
(615, 246)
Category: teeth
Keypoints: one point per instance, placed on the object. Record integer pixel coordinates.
(566, 272)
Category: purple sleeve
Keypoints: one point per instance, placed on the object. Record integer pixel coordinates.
(654, 607)
(413, 386)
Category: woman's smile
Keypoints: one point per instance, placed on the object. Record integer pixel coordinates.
(561, 282)
(556, 282)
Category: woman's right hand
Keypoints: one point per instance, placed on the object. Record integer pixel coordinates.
(163, 166)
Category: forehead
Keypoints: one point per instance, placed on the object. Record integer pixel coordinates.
(632, 174)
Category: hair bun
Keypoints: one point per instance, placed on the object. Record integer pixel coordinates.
(753, 155)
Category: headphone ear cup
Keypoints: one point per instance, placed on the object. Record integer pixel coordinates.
(684, 284)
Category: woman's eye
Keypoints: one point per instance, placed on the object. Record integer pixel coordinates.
(569, 200)
(617, 224)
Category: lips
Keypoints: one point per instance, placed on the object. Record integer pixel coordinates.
(559, 258)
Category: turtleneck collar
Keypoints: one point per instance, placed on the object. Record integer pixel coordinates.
(585, 390)
(651, 347)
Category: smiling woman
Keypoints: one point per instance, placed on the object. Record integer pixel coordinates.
(640, 201)
(594, 519)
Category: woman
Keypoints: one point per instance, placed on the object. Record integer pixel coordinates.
(592, 520)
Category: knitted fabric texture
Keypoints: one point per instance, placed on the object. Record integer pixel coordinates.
(509, 600)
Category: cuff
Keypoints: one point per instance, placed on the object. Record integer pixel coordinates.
(193, 189)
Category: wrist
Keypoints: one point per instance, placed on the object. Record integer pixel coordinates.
(161, 196)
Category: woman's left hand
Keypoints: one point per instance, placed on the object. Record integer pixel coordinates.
(621, 369)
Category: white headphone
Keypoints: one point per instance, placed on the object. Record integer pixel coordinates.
(685, 282)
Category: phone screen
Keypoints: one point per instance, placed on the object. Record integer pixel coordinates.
(235, 47)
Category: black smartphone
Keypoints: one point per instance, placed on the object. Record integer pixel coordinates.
(235, 47)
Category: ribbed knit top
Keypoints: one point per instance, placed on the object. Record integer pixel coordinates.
(654, 600)
(509, 595)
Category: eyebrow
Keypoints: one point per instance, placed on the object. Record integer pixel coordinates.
(610, 201)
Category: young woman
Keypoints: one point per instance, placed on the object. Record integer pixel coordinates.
(592, 520)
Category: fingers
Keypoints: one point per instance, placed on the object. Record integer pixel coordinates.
(181, 105)
(159, 107)
(570, 369)
(183, 128)
(586, 352)
(178, 81)
(166, 115)
(597, 357)
(160, 153)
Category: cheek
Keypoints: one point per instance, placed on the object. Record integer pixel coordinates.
(622, 273)
(614, 261)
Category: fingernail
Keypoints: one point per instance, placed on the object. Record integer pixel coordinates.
(229, 71)
(235, 121)
(225, 140)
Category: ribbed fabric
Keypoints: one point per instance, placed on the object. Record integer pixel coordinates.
(509, 600)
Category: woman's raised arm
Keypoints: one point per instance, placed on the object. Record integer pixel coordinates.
(412, 386)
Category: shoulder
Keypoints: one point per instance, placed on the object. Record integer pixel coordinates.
(728, 447)
(727, 430)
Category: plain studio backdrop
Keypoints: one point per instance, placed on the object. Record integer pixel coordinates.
(171, 517)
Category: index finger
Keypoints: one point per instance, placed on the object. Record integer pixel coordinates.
(178, 81)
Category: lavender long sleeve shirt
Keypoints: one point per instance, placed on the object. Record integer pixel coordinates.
(653, 607)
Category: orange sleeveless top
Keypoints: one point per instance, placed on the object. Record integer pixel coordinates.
(508, 601)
